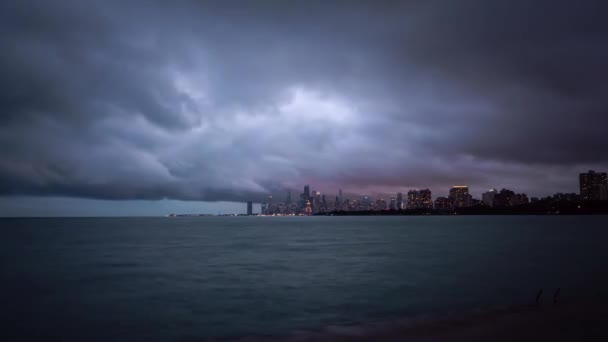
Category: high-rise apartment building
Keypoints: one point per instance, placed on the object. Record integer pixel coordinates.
(412, 199)
(488, 197)
(425, 201)
(593, 186)
(460, 197)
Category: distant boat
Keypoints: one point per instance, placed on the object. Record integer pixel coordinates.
(171, 215)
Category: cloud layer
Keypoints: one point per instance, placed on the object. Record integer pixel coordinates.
(229, 101)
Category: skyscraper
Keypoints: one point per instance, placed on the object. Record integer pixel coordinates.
(380, 204)
(315, 201)
(412, 199)
(249, 208)
(399, 201)
(488, 198)
(323, 203)
(366, 203)
(593, 185)
(288, 199)
(460, 197)
(269, 205)
(393, 204)
(304, 197)
(425, 201)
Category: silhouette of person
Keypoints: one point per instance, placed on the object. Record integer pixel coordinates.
(540, 293)
(556, 295)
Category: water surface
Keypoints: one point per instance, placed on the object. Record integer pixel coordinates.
(192, 278)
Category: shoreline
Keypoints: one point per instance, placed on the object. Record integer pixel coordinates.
(568, 320)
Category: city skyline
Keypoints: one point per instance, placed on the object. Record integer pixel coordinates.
(220, 102)
(593, 187)
(391, 200)
(477, 194)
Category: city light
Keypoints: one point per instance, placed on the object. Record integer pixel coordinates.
(458, 200)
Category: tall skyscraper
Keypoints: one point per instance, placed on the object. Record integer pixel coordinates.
(593, 186)
(288, 199)
(366, 203)
(269, 206)
(249, 208)
(412, 199)
(304, 197)
(399, 201)
(460, 197)
(323, 204)
(380, 204)
(488, 197)
(425, 201)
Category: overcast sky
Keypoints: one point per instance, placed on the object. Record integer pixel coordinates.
(136, 101)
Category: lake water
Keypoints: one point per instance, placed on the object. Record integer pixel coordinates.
(142, 279)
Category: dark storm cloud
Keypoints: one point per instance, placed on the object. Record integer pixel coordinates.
(231, 100)
(537, 68)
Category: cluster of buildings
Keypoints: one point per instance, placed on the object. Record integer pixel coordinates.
(593, 187)
(503, 198)
(307, 203)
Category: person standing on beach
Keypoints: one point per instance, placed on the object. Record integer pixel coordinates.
(540, 293)
(556, 295)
